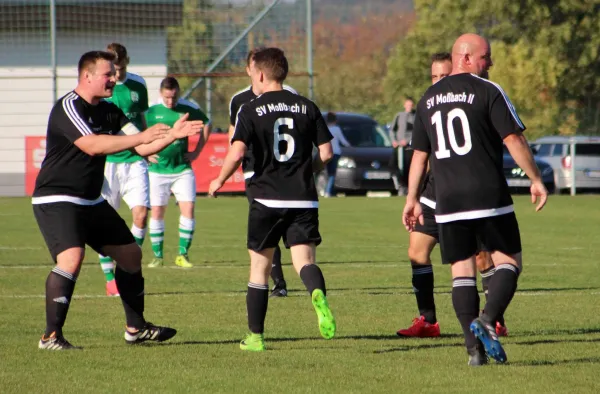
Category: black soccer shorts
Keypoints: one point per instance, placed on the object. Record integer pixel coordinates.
(430, 226)
(266, 226)
(65, 225)
(462, 239)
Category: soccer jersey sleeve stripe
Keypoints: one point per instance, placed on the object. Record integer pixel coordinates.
(69, 108)
(236, 124)
(235, 95)
(509, 104)
(130, 129)
(289, 89)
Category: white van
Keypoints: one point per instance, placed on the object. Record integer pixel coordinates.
(556, 151)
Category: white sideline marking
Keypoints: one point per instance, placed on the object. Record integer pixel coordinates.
(240, 293)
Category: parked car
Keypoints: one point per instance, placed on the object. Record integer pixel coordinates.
(368, 165)
(556, 151)
(516, 179)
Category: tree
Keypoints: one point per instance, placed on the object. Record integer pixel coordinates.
(190, 44)
(546, 55)
(350, 59)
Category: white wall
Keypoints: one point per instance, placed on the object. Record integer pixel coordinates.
(26, 88)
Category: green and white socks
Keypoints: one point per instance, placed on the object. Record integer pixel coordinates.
(157, 237)
(108, 267)
(186, 233)
(138, 234)
(107, 263)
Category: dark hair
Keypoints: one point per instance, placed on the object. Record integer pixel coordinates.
(88, 60)
(273, 63)
(251, 54)
(409, 98)
(169, 83)
(331, 117)
(120, 52)
(441, 57)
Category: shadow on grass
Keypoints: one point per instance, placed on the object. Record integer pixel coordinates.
(383, 290)
(542, 363)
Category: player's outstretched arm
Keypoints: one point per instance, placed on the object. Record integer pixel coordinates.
(94, 144)
(181, 129)
(521, 152)
(230, 165)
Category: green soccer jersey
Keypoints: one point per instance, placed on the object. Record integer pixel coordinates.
(171, 160)
(131, 96)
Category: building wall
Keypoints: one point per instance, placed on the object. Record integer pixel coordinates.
(26, 88)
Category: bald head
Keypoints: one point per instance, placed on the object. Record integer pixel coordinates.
(471, 53)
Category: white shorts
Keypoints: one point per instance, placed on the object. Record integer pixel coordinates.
(127, 181)
(182, 185)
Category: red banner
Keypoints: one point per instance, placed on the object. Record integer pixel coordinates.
(35, 150)
(206, 167)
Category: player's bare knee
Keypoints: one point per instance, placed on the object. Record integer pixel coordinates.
(260, 265)
(70, 260)
(483, 261)
(158, 212)
(499, 258)
(419, 248)
(140, 216)
(303, 255)
(418, 255)
(187, 209)
(464, 268)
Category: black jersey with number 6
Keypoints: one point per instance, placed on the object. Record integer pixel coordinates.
(462, 121)
(280, 129)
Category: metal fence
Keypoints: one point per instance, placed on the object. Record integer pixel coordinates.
(202, 42)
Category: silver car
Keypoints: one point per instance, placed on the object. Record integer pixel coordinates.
(556, 151)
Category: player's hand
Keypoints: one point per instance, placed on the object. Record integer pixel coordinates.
(156, 132)
(214, 187)
(152, 159)
(395, 144)
(186, 128)
(403, 143)
(538, 190)
(412, 212)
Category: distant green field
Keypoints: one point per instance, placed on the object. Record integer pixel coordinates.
(554, 320)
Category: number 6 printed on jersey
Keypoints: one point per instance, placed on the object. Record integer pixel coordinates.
(279, 135)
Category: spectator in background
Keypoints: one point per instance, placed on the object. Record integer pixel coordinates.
(338, 138)
(401, 135)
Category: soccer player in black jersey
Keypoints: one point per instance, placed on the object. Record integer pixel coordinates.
(424, 238)
(67, 201)
(463, 121)
(242, 97)
(279, 129)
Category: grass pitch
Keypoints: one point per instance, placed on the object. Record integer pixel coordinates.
(554, 324)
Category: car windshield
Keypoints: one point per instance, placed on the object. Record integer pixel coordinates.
(362, 133)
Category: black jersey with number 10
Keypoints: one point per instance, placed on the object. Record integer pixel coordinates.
(280, 129)
(462, 121)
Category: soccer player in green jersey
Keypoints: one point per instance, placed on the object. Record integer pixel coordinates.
(173, 173)
(125, 173)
